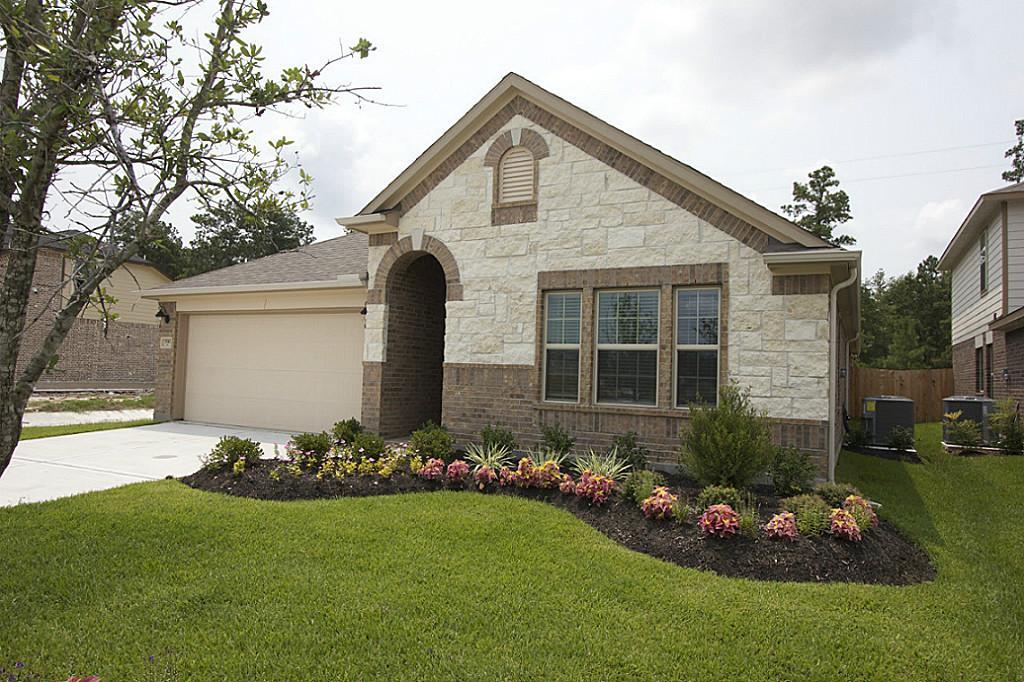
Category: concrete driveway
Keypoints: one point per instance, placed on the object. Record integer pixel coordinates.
(48, 468)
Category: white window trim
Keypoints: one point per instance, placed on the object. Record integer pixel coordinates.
(694, 346)
(984, 273)
(560, 346)
(626, 346)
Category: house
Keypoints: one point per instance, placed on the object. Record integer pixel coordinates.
(118, 353)
(986, 262)
(534, 266)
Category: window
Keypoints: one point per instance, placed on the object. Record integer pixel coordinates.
(627, 347)
(983, 259)
(562, 346)
(979, 369)
(516, 182)
(989, 371)
(697, 317)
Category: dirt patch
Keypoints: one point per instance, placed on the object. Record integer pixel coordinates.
(885, 556)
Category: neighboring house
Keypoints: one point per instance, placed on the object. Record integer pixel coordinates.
(534, 266)
(118, 353)
(986, 262)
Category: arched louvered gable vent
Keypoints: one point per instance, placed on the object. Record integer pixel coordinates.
(516, 176)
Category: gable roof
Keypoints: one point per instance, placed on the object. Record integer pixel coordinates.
(666, 174)
(321, 262)
(60, 240)
(980, 215)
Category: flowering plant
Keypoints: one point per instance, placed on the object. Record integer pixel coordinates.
(433, 470)
(567, 486)
(660, 504)
(546, 475)
(719, 519)
(843, 525)
(458, 471)
(781, 526)
(594, 487)
(862, 511)
(483, 476)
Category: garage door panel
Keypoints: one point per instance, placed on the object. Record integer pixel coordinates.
(271, 370)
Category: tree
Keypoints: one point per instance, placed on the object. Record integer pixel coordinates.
(230, 234)
(819, 207)
(114, 108)
(164, 249)
(1016, 155)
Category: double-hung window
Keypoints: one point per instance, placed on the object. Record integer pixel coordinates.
(627, 347)
(697, 326)
(562, 346)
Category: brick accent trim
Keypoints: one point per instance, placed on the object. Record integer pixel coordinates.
(800, 284)
(513, 215)
(400, 251)
(527, 138)
(665, 278)
(680, 196)
(383, 239)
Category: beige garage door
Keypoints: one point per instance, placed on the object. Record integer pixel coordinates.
(289, 371)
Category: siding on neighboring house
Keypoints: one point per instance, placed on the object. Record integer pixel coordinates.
(972, 310)
(126, 285)
(1015, 253)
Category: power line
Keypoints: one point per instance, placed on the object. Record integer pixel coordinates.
(900, 175)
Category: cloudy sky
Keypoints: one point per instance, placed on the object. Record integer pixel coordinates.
(912, 101)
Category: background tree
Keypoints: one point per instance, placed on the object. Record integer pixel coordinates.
(905, 321)
(819, 207)
(1016, 155)
(164, 249)
(118, 110)
(228, 234)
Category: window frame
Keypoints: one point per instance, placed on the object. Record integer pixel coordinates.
(676, 346)
(496, 200)
(979, 369)
(983, 260)
(598, 346)
(545, 346)
(989, 374)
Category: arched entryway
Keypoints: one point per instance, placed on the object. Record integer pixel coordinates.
(412, 380)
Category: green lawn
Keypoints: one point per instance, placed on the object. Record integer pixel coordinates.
(466, 586)
(95, 403)
(31, 432)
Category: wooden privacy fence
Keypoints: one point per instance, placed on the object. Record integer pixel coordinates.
(926, 387)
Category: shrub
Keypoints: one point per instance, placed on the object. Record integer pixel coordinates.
(608, 465)
(901, 438)
(792, 471)
(781, 526)
(627, 447)
(368, 444)
(748, 518)
(457, 471)
(682, 512)
(496, 436)
(728, 444)
(719, 519)
(1006, 426)
(309, 450)
(231, 449)
(567, 485)
(433, 470)
(594, 487)
(494, 457)
(659, 504)
(640, 485)
(835, 493)
(543, 456)
(862, 512)
(856, 435)
(963, 432)
(717, 494)
(811, 513)
(484, 476)
(842, 525)
(556, 438)
(346, 431)
(433, 440)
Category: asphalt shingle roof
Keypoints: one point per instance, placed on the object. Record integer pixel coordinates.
(326, 260)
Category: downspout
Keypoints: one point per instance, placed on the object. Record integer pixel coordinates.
(833, 368)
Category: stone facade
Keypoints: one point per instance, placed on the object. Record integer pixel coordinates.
(122, 355)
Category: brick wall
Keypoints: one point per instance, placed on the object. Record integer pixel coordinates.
(167, 356)
(963, 367)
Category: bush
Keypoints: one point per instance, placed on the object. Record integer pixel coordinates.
(842, 525)
(782, 526)
(640, 485)
(433, 470)
(901, 438)
(728, 444)
(811, 511)
(495, 436)
(493, 457)
(309, 450)
(748, 519)
(1006, 426)
(719, 519)
(862, 512)
(682, 512)
(792, 471)
(230, 450)
(557, 439)
(433, 441)
(627, 447)
(718, 494)
(835, 493)
(594, 487)
(608, 465)
(856, 436)
(963, 432)
(659, 504)
(346, 431)
(368, 444)
(457, 471)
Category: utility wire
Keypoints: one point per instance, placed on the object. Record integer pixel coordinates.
(900, 175)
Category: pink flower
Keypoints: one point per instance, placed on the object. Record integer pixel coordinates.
(484, 476)
(720, 520)
(433, 470)
(844, 526)
(781, 526)
(595, 488)
(458, 470)
(567, 486)
(659, 505)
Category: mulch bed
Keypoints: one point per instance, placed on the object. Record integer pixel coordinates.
(884, 556)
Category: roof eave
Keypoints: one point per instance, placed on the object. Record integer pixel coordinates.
(171, 293)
